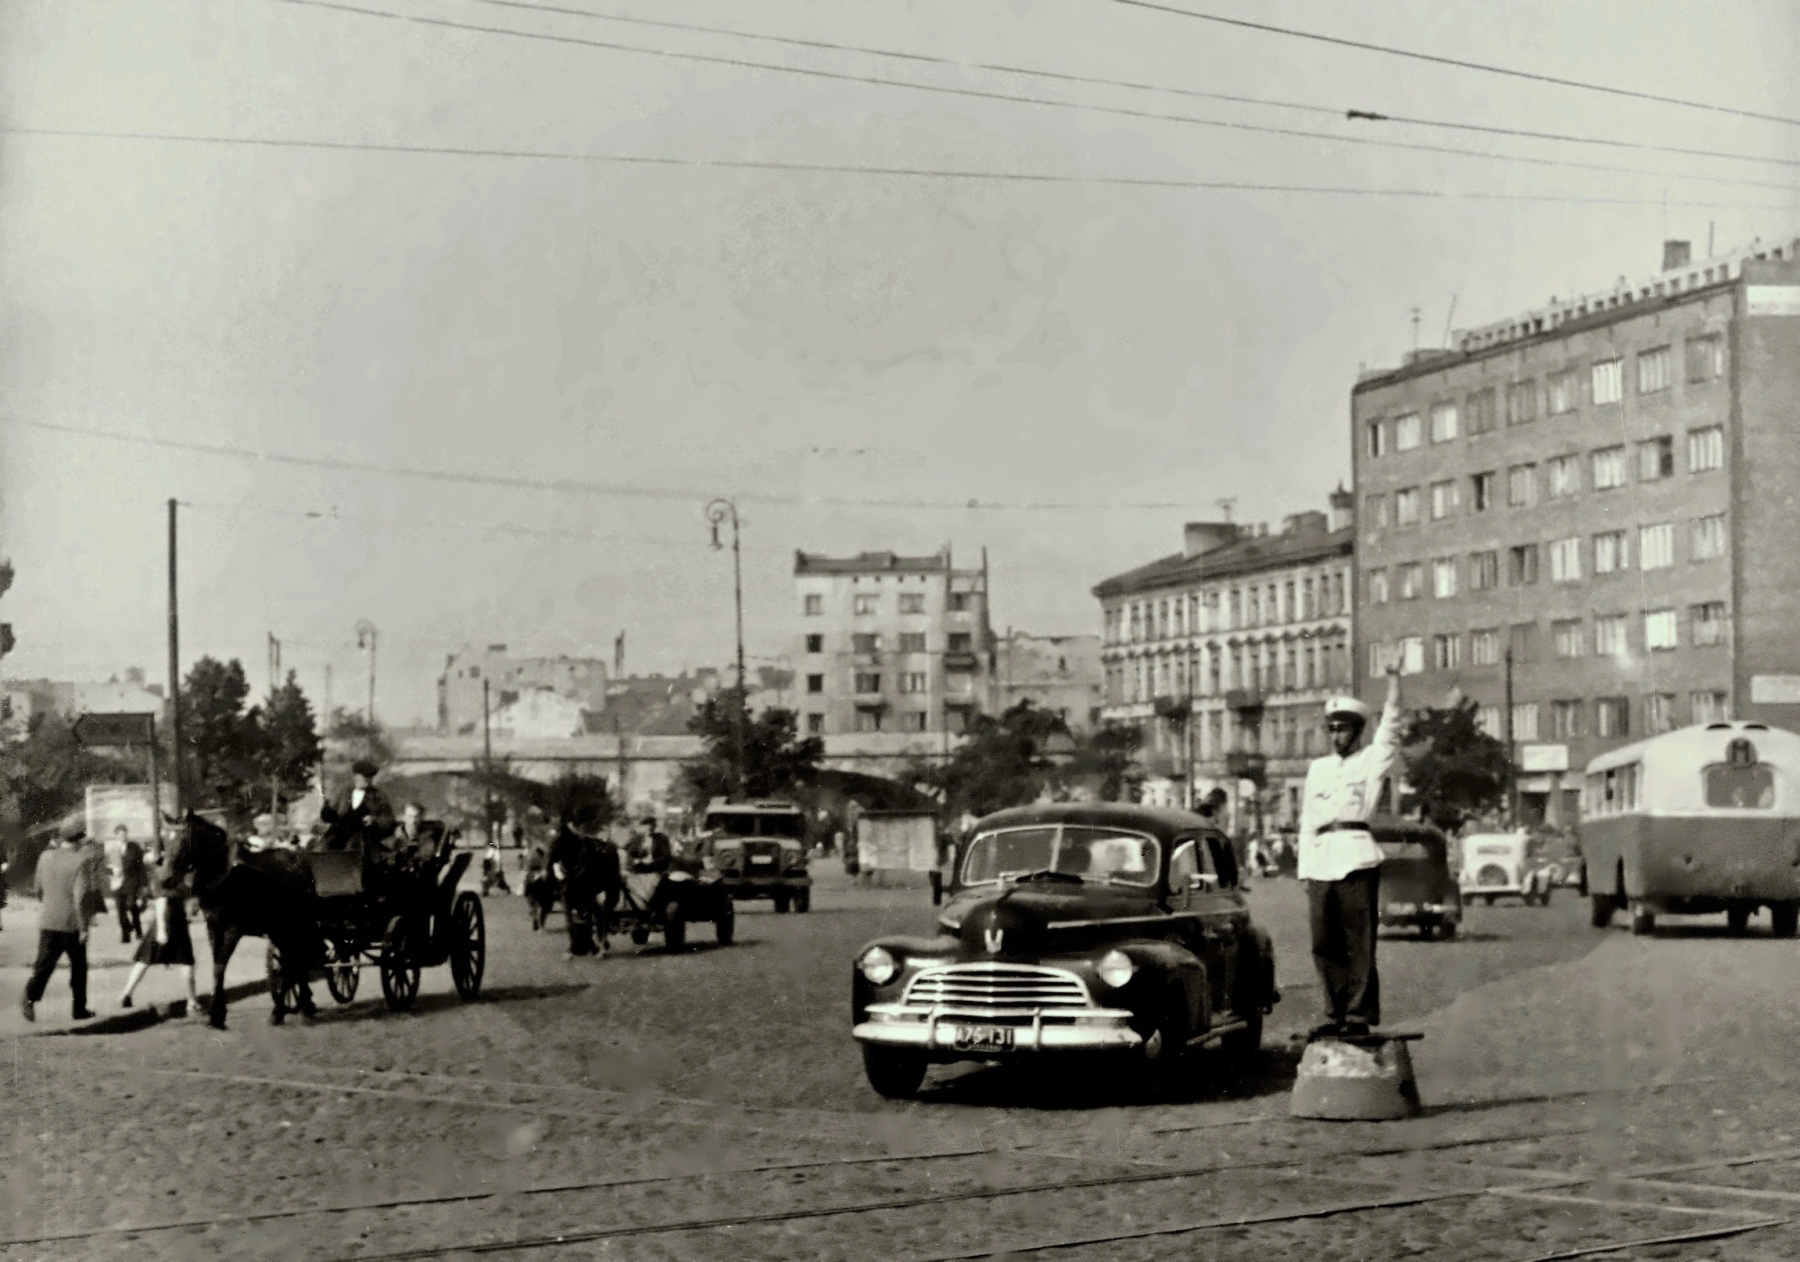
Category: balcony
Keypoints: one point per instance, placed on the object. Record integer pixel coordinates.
(1247, 766)
(960, 661)
(1176, 708)
(1245, 700)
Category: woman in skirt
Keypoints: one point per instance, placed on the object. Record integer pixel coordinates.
(165, 940)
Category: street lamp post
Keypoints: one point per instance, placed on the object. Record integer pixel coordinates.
(717, 513)
(365, 639)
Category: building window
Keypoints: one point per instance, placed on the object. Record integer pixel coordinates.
(1412, 655)
(914, 721)
(1563, 391)
(1611, 552)
(1706, 448)
(1310, 607)
(1655, 370)
(1525, 721)
(1707, 538)
(1710, 707)
(1522, 640)
(1487, 719)
(912, 602)
(1656, 546)
(815, 644)
(1656, 459)
(1662, 629)
(1609, 469)
(959, 602)
(1482, 411)
(815, 683)
(1378, 587)
(865, 642)
(1705, 358)
(960, 642)
(1522, 565)
(1256, 606)
(865, 603)
(1443, 578)
(1659, 712)
(1484, 571)
(914, 681)
(1565, 560)
(868, 683)
(1612, 716)
(1484, 647)
(1444, 500)
(1521, 402)
(1566, 638)
(1377, 440)
(1521, 485)
(1565, 476)
(1446, 652)
(1411, 580)
(1339, 597)
(1481, 492)
(1443, 422)
(1375, 511)
(1709, 623)
(815, 725)
(1566, 720)
(912, 641)
(1406, 507)
(868, 720)
(1609, 381)
(815, 605)
(1609, 636)
(1406, 432)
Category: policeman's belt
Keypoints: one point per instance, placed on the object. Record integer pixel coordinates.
(1345, 825)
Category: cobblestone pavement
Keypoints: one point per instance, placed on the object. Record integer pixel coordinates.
(1584, 1088)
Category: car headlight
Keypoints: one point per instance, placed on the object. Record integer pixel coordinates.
(878, 966)
(1116, 968)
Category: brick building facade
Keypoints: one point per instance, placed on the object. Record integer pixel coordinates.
(1593, 499)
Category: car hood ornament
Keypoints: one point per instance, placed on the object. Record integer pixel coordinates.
(993, 939)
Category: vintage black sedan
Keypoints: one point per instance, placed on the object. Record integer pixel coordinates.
(1080, 929)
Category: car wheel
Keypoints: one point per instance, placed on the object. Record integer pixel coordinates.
(1602, 908)
(1244, 1047)
(674, 928)
(1737, 918)
(781, 903)
(803, 900)
(1447, 930)
(1164, 1049)
(894, 1072)
(1643, 919)
(725, 923)
(1784, 918)
(1490, 900)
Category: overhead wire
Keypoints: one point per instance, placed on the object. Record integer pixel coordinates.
(1014, 98)
(1461, 63)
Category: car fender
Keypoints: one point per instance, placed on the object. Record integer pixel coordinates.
(1162, 967)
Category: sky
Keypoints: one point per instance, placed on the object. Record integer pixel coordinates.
(495, 392)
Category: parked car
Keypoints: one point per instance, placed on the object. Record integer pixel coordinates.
(1417, 888)
(1076, 929)
(1498, 865)
(758, 851)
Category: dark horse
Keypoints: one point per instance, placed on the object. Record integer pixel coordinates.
(256, 895)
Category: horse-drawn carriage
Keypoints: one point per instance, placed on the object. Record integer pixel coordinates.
(638, 903)
(399, 917)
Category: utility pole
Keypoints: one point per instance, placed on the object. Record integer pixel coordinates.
(716, 513)
(1512, 750)
(487, 762)
(365, 638)
(177, 794)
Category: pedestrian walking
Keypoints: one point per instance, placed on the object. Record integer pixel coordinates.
(1340, 862)
(134, 884)
(63, 876)
(168, 941)
(572, 863)
(492, 874)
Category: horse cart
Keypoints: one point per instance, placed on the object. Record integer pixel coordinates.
(408, 917)
(667, 903)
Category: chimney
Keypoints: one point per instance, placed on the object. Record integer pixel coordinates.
(1676, 254)
(1343, 508)
(1308, 523)
(1201, 537)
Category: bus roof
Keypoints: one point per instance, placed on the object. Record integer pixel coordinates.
(1702, 743)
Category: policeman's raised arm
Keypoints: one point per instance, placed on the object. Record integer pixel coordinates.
(1387, 729)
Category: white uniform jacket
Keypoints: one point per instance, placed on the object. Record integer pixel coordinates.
(1346, 789)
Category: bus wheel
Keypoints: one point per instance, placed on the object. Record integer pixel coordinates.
(1785, 918)
(1643, 919)
(1603, 908)
(1737, 918)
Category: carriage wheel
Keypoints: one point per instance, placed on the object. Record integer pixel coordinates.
(341, 971)
(399, 972)
(284, 996)
(468, 945)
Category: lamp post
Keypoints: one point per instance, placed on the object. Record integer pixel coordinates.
(365, 639)
(717, 513)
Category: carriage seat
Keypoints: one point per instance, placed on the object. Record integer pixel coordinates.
(337, 873)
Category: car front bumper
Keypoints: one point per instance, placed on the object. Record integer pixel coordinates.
(1415, 913)
(935, 1030)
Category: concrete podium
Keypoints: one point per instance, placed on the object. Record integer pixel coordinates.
(1357, 1078)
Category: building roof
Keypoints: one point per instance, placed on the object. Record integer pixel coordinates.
(1249, 554)
(870, 563)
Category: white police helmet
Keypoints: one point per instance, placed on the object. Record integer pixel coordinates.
(1348, 707)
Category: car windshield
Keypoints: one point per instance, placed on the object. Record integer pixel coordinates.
(749, 824)
(1406, 850)
(1093, 854)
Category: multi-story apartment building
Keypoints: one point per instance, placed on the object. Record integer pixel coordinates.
(581, 680)
(1225, 652)
(1059, 673)
(1588, 509)
(889, 643)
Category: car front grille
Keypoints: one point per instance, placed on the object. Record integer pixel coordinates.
(762, 858)
(1491, 874)
(1012, 989)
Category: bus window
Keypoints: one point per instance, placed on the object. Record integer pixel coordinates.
(1611, 791)
(1730, 786)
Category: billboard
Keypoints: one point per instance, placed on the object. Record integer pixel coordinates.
(896, 841)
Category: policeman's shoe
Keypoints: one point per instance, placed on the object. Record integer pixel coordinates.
(1329, 1030)
(1356, 1029)
(29, 1009)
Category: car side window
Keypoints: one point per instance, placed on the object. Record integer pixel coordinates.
(1224, 860)
(1183, 866)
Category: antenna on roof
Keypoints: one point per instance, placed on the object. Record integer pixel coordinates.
(1225, 505)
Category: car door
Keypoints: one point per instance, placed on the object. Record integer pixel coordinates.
(1213, 908)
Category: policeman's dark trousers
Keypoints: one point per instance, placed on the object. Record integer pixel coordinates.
(52, 946)
(1344, 915)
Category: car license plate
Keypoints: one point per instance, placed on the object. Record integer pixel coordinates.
(762, 858)
(984, 1038)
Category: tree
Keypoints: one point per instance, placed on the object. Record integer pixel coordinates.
(290, 745)
(369, 739)
(1455, 769)
(223, 739)
(1004, 761)
(776, 757)
(1108, 758)
(45, 776)
(580, 800)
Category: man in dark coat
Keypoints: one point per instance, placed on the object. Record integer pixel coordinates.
(134, 887)
(363, 812)
(63, 876)
(574, 864)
